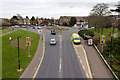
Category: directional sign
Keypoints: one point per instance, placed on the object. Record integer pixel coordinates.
(28, 41)
(102, 39)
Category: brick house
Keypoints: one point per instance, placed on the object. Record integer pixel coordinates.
(4, 21)
(67, 19)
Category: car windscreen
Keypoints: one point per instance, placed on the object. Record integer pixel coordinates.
(52, 40)
(76, 38)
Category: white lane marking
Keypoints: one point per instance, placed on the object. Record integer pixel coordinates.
(60, 53)
(60, 66)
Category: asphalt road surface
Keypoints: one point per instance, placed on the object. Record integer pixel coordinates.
(60, 60)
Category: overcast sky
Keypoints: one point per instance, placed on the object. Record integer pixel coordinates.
(50, 8)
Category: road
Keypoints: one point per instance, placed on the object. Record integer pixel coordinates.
(66, 60)
(60, 60)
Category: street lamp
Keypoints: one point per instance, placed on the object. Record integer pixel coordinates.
(18, 55)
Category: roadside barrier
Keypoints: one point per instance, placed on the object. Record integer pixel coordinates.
(106, 63)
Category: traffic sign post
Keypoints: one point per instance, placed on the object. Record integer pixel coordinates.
(28, 43)
(102, 41)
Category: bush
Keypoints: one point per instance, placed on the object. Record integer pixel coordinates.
(115, 53)
(65, 24)
(86, 32)
(96, 40)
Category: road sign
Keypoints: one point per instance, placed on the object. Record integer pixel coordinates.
(90, 42)
(28, 41)
(102, 39)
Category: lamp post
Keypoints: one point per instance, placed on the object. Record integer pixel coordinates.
(18, 55)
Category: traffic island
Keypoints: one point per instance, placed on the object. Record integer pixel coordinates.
(10, 53)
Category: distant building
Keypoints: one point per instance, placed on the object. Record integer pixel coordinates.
(4, 21)
(67, 19)
(26, 21)
(45, 21)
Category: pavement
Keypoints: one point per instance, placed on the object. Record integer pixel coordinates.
(98, 67)
(8, 32)
(115, 35)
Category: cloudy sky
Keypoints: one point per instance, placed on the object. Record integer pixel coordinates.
(50, 8)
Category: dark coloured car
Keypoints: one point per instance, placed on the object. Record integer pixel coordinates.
(33, 27)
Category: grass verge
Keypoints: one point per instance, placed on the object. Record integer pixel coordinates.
(5, 30)
(105, 32)
(0, 57)
(10, 54)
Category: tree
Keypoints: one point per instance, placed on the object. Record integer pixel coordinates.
(107, 22)
(72, 21)
(98, 13)
(101, 9)
(65, 24)
(118, 11)
(45, 21)
(27, 17)
(14, 20)
(32, 20)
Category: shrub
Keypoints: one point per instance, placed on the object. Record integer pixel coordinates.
(86, 32)
(96, 40)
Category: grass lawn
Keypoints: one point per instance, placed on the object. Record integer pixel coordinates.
(10, 53)
(0, 57)
(105, 32)
(118, 35)
(5, 30)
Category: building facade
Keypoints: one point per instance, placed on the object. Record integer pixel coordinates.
(66, 19)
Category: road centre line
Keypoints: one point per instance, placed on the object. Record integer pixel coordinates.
(60, 53)
(41, 58)
(60, 66)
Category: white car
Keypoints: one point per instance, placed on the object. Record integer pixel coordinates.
(38, 27)
(16, 26)
(52, 41)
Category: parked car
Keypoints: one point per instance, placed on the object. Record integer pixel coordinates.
(16, 26)
(23, 26)
(52, 41)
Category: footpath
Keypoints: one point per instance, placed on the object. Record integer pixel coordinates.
(98, 67)
(115, 35)
(8, 32)
(30, 70)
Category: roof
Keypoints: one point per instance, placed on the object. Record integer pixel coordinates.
(75, 34)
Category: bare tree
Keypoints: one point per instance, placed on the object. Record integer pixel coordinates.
(98, 14)
(101, 9)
